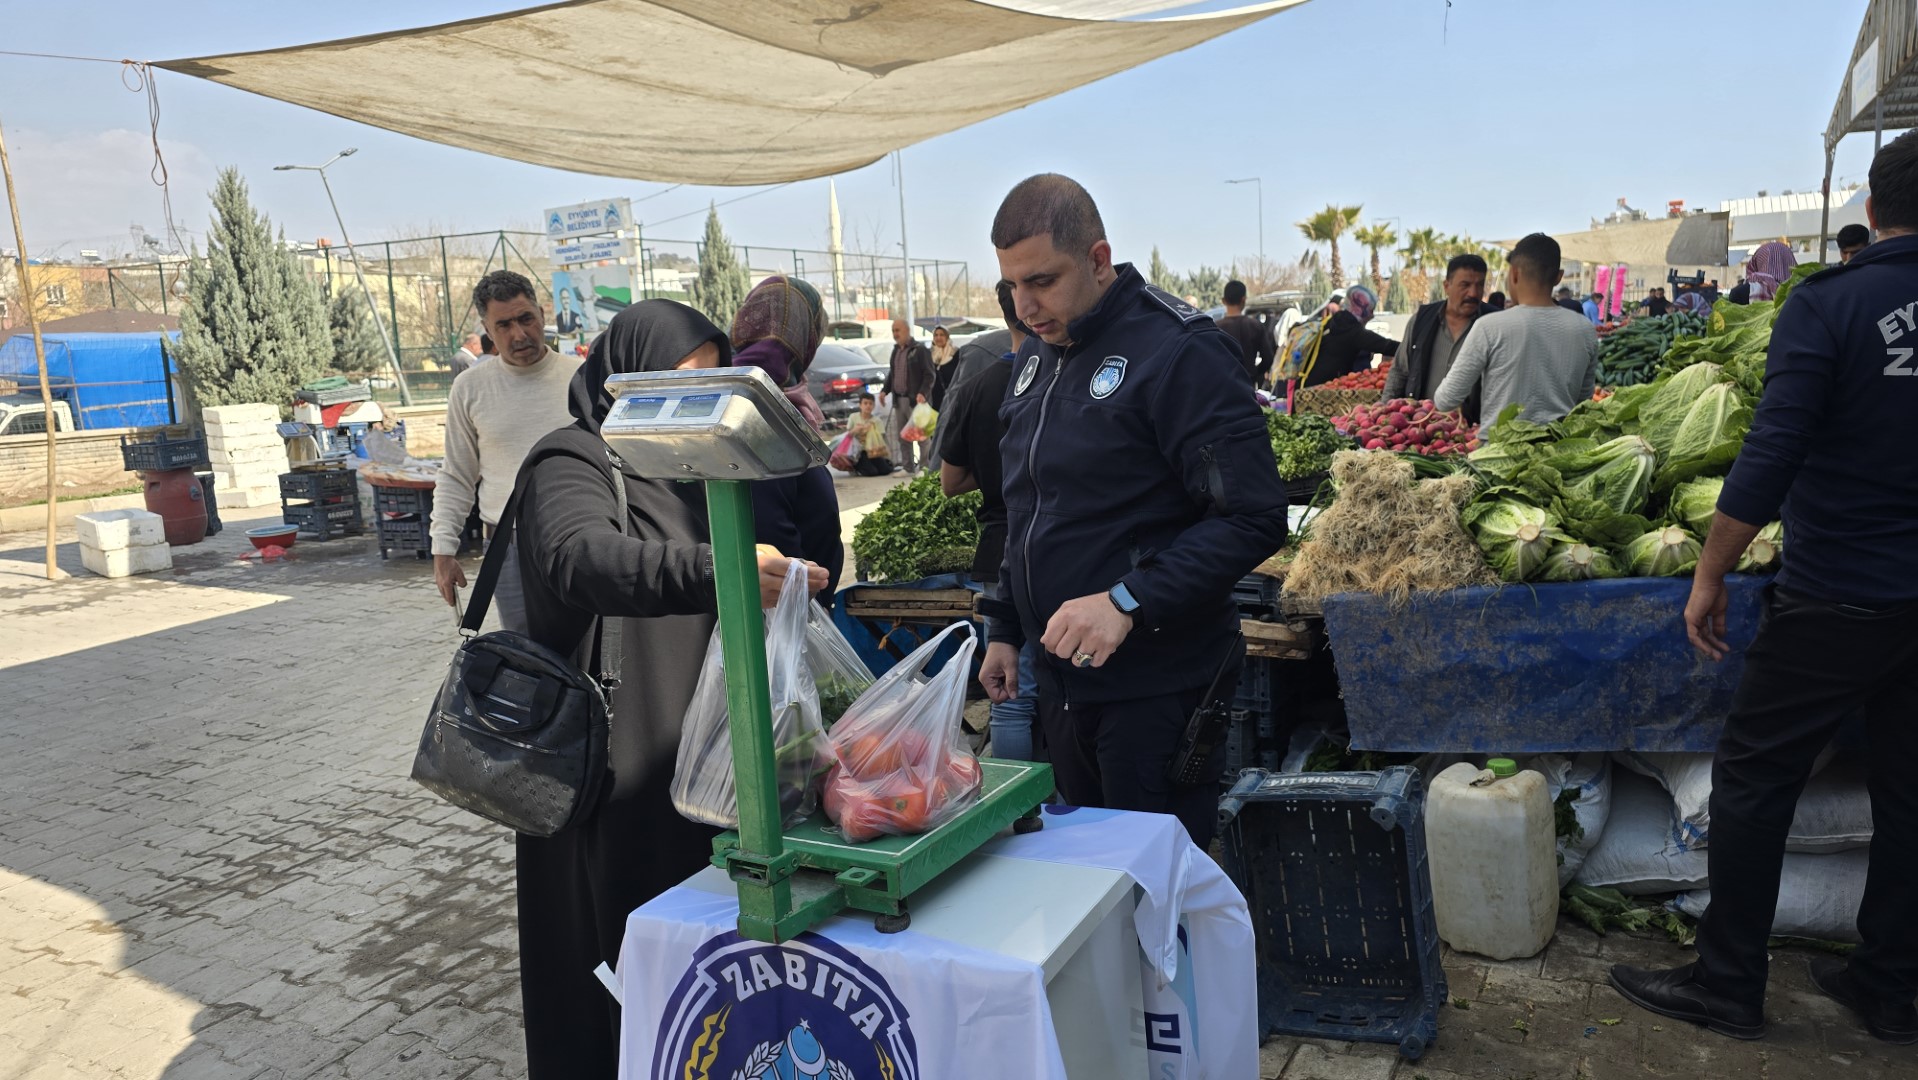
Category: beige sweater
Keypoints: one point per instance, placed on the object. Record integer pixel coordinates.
(494, 414)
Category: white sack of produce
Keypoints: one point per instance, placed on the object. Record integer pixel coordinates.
(1818, 897)
(1834, 813)
(1634, 855)
(1589, 777)
(1827, 819)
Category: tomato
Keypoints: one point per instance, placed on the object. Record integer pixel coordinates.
(860, 818)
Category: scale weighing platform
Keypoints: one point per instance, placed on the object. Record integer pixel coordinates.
(728, 426)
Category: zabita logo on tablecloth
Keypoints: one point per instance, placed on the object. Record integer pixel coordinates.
(803, 1010)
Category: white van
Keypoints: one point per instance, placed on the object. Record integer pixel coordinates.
(25, 414)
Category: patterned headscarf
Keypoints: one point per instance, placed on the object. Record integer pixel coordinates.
(1768, 268)
(1360, 302)
(1693, 302)
(790, 312)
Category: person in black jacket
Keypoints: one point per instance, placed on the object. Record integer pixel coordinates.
(579, 564)
(1348, 345)
(1254, 337)
(908, 382)
(1140, 487)
(1437, 331)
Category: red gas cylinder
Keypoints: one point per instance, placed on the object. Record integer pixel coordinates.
(175, 495)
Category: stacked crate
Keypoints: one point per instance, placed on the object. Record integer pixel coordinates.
(247, 453)
(324, 503)
(119, 543)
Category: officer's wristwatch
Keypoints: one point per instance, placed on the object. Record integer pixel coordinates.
(1122, 599)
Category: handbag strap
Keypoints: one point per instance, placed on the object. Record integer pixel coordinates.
(608, 650)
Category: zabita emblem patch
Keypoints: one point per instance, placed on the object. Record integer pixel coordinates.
(1108, 377)
(802, 1010)
(1026, 375)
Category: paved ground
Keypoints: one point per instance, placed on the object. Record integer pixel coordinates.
(213, 866)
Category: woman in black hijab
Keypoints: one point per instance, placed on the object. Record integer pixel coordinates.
(578, 564)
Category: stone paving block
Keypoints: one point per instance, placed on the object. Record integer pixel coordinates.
(1313, 1063)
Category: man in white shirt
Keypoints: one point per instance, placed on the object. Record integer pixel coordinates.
(1534, 354)
(469, 354)
(494, 414)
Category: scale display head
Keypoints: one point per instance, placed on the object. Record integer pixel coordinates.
(708, 424)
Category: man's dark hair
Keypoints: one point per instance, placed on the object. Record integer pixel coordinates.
(1010, 308)
(1464, 262)
(1049, 204)
(502, 285)
(1894, 183)
(1234, 294)
(486, 344)
(1537, 257)
(1855, 235)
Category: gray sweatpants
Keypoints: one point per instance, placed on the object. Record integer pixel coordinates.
(904, 453)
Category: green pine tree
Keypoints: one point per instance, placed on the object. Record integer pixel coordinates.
(1396, 299)
(1158, 273)
(255, 326)
(1207, 283)
(723, 283)
(1317, 290)
(357, 348)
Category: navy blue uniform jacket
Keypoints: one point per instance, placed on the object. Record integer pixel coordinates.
(1136, 454)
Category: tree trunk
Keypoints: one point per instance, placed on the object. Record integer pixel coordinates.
(1338, 266)
(1378, 279)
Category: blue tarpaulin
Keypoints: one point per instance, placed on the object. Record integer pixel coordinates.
(108, 380)
(906, 637)
(1593, 665)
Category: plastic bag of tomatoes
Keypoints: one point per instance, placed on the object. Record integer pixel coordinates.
(901, 763)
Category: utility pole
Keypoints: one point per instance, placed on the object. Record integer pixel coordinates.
(40, 354)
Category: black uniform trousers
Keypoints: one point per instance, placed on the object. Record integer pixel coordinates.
(1113, 754)
(1812, 664)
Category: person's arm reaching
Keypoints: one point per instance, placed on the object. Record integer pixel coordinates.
(454, 493)
(1468, 367)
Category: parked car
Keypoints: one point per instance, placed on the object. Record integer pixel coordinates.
(838, 376)
(26, 414)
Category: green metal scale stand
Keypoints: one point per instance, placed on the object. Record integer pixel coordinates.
(727, 427)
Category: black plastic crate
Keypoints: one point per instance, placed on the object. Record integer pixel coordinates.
(1257, 597)
(1255, 693)
(324, 521)
(213, 522)
(157, 452)
(318, 484)
(350, 392)
(403, 500)
(405, 534)
(1333, 867)
(1241, 747)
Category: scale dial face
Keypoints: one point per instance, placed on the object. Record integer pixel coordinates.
(725, 424)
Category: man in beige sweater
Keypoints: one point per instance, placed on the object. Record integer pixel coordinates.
(494, 414)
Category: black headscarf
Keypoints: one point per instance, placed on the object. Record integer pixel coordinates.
(652, 335)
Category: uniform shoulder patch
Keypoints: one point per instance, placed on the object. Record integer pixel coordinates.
(1185, 312)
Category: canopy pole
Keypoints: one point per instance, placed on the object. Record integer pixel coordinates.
(40, 354)
(1824, 216)
(905, 253)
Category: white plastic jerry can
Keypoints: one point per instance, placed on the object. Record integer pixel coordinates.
(1489, 836)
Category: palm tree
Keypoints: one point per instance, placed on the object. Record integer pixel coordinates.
(1325, 227)
(1374, 237)
(1421, 248)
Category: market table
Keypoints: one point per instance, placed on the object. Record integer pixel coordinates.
(1104, 945)
(1590, 665)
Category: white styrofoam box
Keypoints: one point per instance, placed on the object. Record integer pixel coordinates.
(111, 530)
(305, 412)
(214, 415)
(244, 497)
(123, 562)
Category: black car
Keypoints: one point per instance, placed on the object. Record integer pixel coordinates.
(838, 376)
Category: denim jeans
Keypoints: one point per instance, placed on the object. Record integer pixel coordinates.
(1011, 723)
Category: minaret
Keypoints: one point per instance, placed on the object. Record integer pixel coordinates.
(835, 249)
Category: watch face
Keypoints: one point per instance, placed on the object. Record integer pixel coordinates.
(1122, 599)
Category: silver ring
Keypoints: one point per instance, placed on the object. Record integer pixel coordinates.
(1083, 659)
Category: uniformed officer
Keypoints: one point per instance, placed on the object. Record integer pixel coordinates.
(1140, 487)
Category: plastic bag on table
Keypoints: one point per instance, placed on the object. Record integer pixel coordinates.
(901, 763)
(837, 671)
(703, 788)
(845, 453)
(925, 418)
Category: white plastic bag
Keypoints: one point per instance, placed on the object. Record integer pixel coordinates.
(901, 762)
(703, 787)
(837, 671)
(925, 418)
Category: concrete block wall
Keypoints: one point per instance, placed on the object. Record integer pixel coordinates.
(89, 463)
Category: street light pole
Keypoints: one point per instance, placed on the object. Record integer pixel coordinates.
(1260, 183)
(392, 355)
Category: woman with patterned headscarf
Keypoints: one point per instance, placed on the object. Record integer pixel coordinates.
(1348, 345)
(778, 330)
(1768, 268)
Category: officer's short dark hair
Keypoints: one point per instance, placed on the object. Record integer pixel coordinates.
(1235, 293)
(1464, 262)
(1049, 204)
(501, 285)
(1854, 236)
(1010, 308)
(1537, 257)
(1894, 183)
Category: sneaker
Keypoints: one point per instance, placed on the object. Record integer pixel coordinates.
(1894, 1022)
(1677, 994)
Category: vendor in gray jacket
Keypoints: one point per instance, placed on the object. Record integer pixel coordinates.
(1438, 329)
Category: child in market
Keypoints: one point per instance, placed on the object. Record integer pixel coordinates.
(870, 437)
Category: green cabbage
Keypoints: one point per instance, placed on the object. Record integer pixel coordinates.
(1500, 462)
(1695, 502)
(1708, 439)
(1618, 474)
(1728, 318)
(1660, 417)
(1767, 550)
(1577, 562)
(1515, 537)
(1666, 552)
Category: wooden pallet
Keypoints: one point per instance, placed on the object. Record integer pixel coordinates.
(929, 606)
(1298, 639)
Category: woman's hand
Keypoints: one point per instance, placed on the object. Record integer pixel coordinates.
(772, 578)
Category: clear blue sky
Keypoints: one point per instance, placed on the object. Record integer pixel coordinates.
(1522, 116)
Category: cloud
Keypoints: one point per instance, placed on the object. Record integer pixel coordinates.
(83, 189)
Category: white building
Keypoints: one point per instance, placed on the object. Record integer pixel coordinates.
(1792, 217)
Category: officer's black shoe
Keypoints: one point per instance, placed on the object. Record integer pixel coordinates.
(1894, 1022)
(1677, 994)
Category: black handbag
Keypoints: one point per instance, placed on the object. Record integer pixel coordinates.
(518, 733)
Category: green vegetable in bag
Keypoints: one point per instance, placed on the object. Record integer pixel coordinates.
(1666, 552)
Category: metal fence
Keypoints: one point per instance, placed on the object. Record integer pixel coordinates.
(423, 287)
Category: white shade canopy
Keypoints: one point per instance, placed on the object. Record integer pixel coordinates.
(732, 92)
